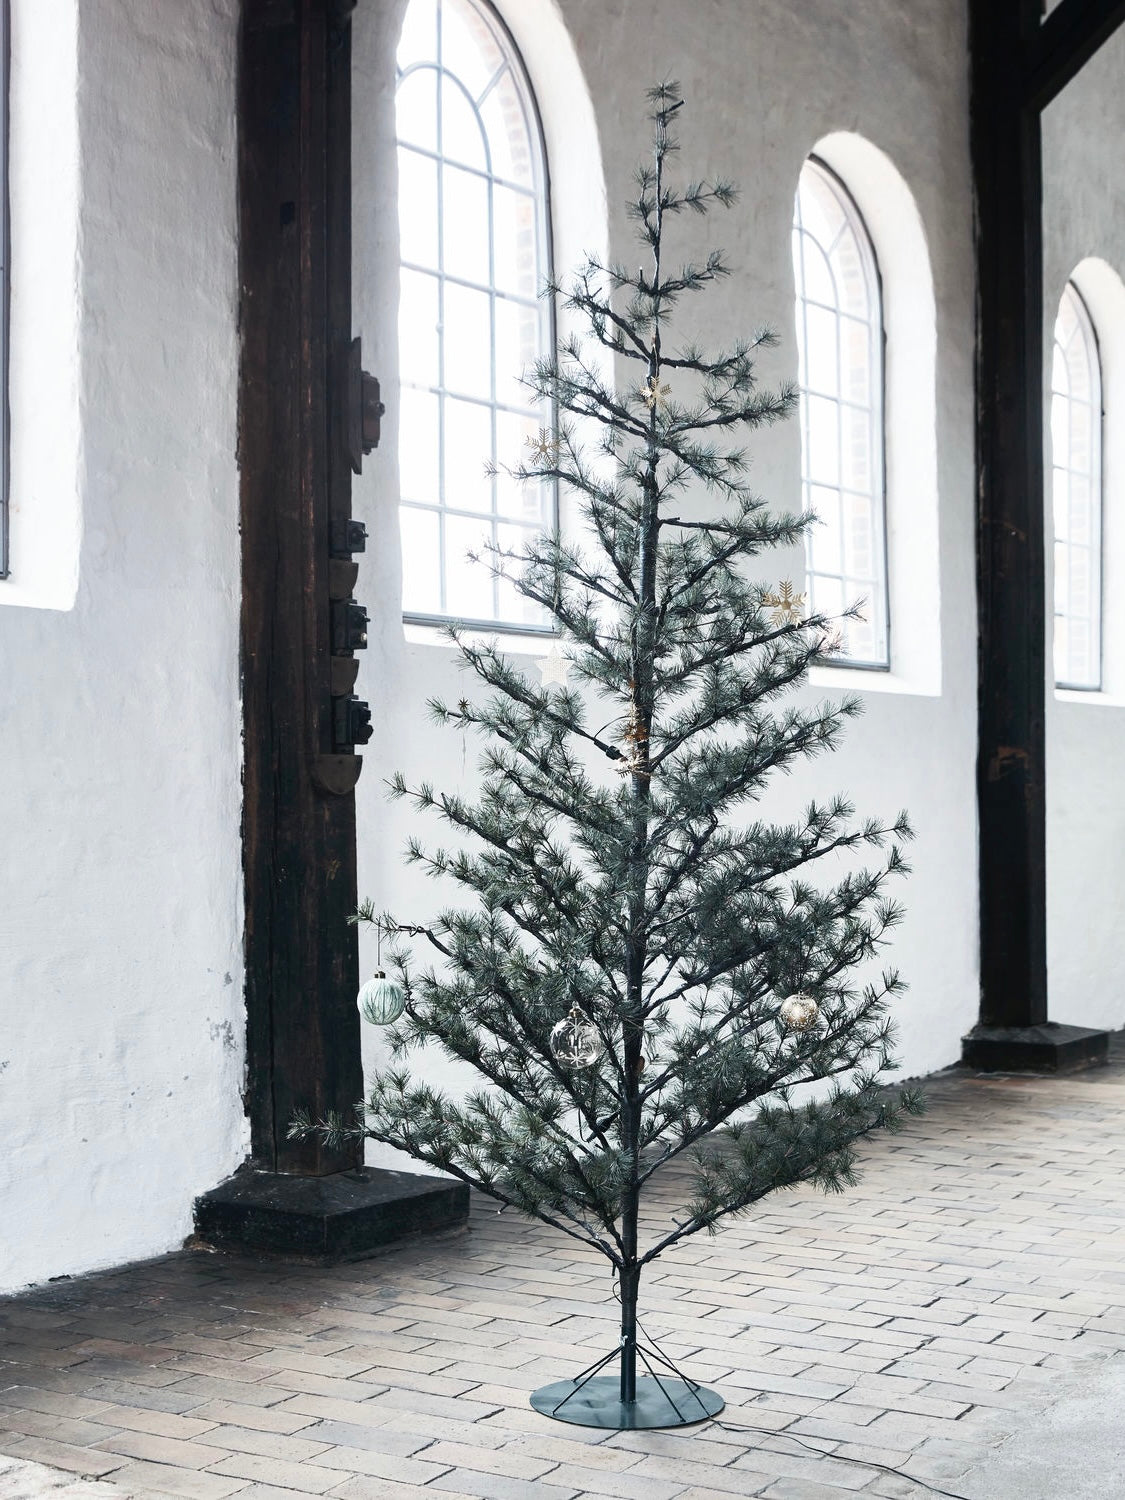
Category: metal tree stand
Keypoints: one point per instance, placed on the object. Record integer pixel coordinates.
(665, 1397)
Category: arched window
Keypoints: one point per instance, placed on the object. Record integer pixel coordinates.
(840, 339)
(1076, 494)
(473, 219)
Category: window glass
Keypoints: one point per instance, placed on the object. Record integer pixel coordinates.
(840, 344)
(474, 241)
(1076, 495)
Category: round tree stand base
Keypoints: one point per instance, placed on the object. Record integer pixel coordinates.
(596, 1402)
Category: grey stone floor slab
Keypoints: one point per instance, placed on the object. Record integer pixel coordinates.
(1074, 1449)
(24, 1481)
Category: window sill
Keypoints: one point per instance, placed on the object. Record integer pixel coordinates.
(508, 638)
(875, 680)
(1091, 697)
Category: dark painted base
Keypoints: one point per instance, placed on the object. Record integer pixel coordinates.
(325, 1219)
(1049, 1048)
(596, 1402)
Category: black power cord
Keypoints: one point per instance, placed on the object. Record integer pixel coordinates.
(791, 1437)
(863, 1463)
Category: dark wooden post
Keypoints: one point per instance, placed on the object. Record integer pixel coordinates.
(299, 840)
(307, 416)
(1008, 64)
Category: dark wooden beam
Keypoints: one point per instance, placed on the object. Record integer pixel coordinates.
(1061, 47)
(299, 839)
(1005, 133)
(1005, 139)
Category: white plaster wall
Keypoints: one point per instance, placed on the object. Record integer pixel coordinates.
(1084, 218)
(121, 1016)
(764, 84)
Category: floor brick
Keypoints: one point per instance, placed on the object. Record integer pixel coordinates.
(264, 1418)
(307, 1478)
(161, 1479)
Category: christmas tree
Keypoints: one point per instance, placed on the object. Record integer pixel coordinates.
(644, 974)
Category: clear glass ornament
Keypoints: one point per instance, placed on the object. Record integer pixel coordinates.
(799, 1012)
(575, 1041)
(381, 1000)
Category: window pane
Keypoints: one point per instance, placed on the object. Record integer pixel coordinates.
(418, 445)
(513, 605)
(823, 451)
(517, 268)
(461, 137)
(840, 334)
(855, 363)
(468, 452)
(468, 341)
(418, 333)
(421, 560)
(856, 457)
(818, 282)
(822, 367)
(473, 224)
(1076, 501)
(469, 49)
(418, 209)
(465, 225)
(468, 581)
(518, 341)
(416, 109)
(513, 157)
(826, 537)
(512, 435)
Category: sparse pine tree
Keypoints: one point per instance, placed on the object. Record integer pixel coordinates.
(623, 882)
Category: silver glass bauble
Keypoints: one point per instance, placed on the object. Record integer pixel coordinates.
(575, 1041)
(381, 1000)
(799, 1012)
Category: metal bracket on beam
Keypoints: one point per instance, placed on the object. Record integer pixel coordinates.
(364, 409)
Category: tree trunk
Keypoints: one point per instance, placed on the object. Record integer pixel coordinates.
(629, 1282)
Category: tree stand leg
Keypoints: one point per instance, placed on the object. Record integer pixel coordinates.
(664, 1397)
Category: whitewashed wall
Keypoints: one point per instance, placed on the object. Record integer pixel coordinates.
(121, 1016)
(1084, 221)
(764, 84)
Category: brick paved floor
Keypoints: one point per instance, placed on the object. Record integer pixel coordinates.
(916, 1322)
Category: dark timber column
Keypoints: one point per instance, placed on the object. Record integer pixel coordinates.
(299, 849)
(307, 416)
(1011, 781)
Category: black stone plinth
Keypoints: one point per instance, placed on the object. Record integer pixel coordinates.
(1048, 1048)
(322, 1220)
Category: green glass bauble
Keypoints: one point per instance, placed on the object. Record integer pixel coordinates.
(381, 1000)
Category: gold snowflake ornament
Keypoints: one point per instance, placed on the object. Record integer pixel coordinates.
(786, 607)
(653, 394)
(544, 446)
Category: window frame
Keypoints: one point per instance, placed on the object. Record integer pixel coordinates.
(1096, 403)
(515, 63)
(874, 275)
